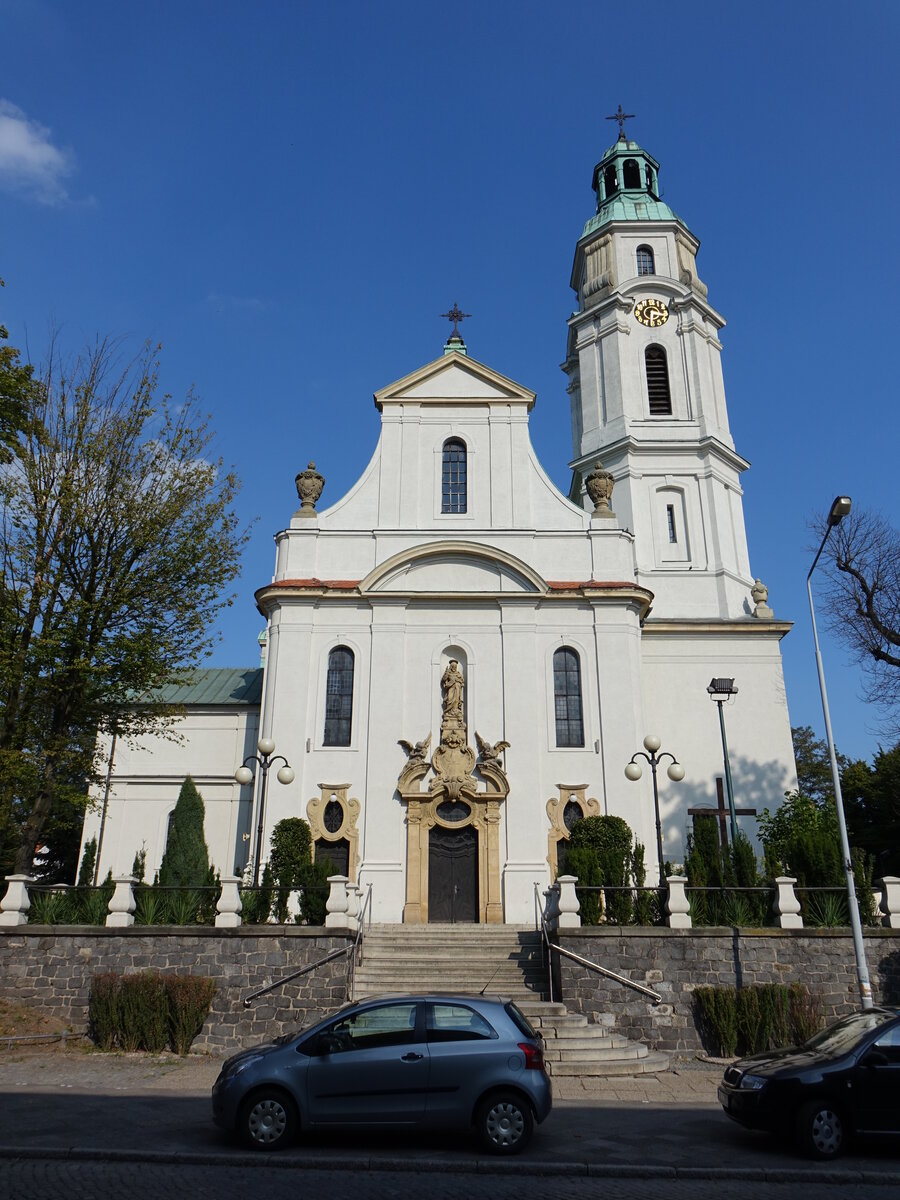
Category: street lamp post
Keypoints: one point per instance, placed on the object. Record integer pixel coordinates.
(719, 690)
(675, 772)
(839, 509)
(244, 775)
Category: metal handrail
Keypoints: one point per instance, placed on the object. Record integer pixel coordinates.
(541, 920)
(356, 956)
(270, 987)
(585, 962)
(355, 951)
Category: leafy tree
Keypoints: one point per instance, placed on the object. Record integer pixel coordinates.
(802, 839)
(118, 538)
(89, 858)
(862, 600)
(581, 861)
(186, 860)
(610, 838)
(814, 777)
(872, 806)
(19, 393)
(291, 851)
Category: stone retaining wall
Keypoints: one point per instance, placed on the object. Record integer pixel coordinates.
(675, 961)
(51, 968)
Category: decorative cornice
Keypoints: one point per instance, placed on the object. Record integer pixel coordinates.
(741, 626)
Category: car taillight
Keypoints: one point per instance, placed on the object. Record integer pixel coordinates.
(534, 1056)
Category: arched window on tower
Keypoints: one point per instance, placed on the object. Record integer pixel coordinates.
(567, 697)
(339, 697)
(658, 394)
(645, 264)
(453, 476)
(609, 178)
(648, 175)
(631, 173)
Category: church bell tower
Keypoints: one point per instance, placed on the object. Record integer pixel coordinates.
(647, 394)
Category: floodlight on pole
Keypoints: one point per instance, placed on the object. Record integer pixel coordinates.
(721, 689)
(840, 507)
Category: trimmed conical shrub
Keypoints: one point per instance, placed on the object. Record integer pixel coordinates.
(186, 860)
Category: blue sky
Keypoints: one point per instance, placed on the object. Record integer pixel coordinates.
(286, 195)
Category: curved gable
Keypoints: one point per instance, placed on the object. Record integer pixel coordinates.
(453, 566)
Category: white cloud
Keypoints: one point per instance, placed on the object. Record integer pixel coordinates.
(29, 162)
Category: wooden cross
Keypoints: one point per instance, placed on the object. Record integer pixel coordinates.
(455, 315)
(721, 811)
(621, 117)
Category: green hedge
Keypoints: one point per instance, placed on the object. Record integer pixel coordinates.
(750, 1020)
(147, 1011)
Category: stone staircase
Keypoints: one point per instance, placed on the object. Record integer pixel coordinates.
(503, 960)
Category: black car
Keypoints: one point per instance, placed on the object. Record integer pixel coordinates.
(843, 1081)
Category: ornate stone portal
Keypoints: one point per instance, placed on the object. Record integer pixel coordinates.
(454, 799)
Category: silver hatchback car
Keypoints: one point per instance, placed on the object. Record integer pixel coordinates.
(438, 1061)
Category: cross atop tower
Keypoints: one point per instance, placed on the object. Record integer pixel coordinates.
(455, 315)
(621, 117)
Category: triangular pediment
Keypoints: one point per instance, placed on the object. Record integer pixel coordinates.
(454, 378)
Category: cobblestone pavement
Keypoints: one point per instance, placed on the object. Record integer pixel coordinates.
(88, 1180)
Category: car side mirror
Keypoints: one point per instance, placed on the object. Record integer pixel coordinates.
(874, 1058)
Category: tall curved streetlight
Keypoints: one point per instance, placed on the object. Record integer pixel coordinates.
(243, 775)
(675, 772)
(840, 507)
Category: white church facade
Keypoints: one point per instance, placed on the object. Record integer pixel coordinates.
(460, 660)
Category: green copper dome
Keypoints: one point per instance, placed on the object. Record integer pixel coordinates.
(626, 182)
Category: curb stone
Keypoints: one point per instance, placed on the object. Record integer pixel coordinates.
(469, 1166)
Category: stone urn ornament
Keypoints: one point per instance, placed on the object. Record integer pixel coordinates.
(600, 484)
(760, 594)
(309, 488)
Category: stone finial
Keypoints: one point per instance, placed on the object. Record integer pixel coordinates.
(569, 907)
(890, 901)
(15, 904)
(600, 484)
(786, 905)
(677, 904)
(122, 903)
(760, 594)
(338, 902)
(229, 906)
(309, 488)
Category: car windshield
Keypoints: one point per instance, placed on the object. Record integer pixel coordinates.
(843, 1036)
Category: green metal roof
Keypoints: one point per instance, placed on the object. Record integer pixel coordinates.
(207, 686)
(631, 206)
(629, 203)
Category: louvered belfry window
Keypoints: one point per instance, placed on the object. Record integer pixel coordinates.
(453, 477)
(567, 697)
(339, 697)
(658, 382)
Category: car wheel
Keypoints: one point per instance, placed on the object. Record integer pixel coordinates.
(821, 1130)
(267, 1120)
(504, 1123)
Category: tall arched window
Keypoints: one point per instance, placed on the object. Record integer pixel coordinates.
(339, 697)
(645, 265)
(453, 477)
(609, 178)
(567, 697)
(658, 382)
